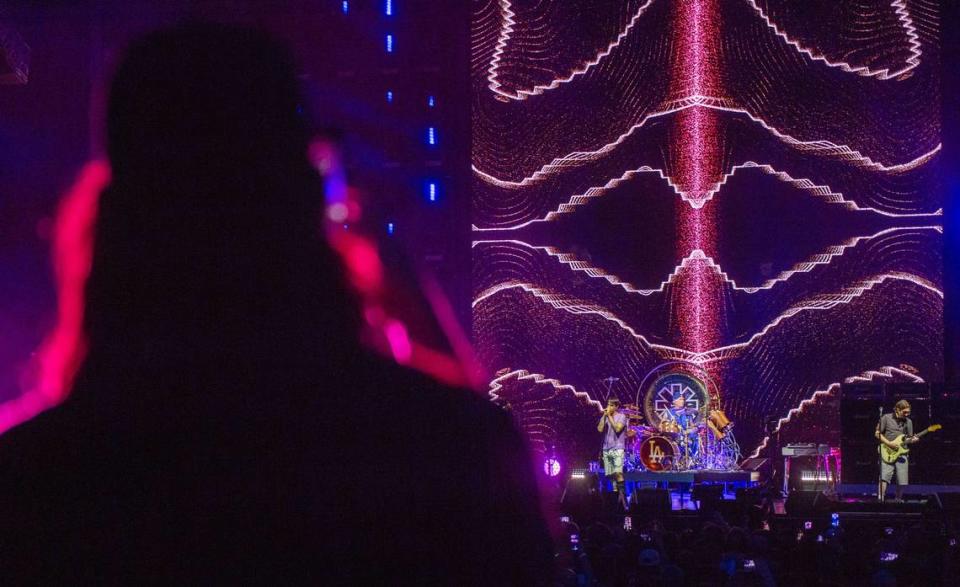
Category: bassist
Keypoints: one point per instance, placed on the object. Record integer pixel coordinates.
(893, 430)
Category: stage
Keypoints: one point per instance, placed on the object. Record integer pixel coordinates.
(726, 477)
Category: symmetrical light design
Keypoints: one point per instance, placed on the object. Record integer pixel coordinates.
(750, 186)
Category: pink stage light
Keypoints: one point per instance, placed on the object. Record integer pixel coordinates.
(62, 352)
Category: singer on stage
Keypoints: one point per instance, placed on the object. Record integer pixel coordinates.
(613, 425)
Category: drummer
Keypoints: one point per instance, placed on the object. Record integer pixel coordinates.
(686, 422)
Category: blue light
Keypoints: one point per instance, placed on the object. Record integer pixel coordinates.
(432, 136)
(390, 96)
(389, 43)
(432, 191)
(345, 6)
(388, 7)
(390, 228)
(431, 101)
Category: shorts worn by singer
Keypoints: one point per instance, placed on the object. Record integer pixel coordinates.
(612, 461)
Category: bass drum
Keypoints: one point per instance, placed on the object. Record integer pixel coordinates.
(658, 453)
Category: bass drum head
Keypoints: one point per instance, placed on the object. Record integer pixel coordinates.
(658, 453)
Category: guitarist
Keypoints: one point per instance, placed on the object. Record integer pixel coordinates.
(889, 428)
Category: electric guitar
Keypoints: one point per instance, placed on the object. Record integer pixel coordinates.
(890, 455)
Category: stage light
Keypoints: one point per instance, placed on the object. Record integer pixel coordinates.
(432, 191)
(390, 228)
(551, 467)
(345, 6)
(337, 212)
(431, 101)
(389, 43)
(389, 96)
(388, 7)
(432, 136)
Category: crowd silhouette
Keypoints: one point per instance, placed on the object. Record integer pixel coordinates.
(226, 424)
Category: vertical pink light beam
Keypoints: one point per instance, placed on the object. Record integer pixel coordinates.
(696, 162)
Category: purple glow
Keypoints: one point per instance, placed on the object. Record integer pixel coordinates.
(551, 467)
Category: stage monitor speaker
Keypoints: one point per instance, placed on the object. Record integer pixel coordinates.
(860, 411)
(581, 498)
(860, 464)
(940, 455)
(945, 410)
(859, 417)
(707, 492)
(650, 502)
(947, 504)
(805, 503)
(752, 495)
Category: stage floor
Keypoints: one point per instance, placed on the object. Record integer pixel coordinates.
(692, 477)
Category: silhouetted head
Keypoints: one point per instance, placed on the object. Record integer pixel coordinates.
(200, 100)
(208, 239)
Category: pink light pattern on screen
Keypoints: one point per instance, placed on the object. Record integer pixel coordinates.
(823, 258)
(508, 22)
(824, 302)
(747, 186)
(823, 148)
(824, 192)
(504, 38)
(909, 31)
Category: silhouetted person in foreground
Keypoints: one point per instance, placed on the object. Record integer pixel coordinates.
(226, 425)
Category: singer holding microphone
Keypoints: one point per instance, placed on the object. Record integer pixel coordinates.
(613, 425)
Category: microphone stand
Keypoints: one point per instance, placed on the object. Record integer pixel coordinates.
(880, 486)
(610, 381)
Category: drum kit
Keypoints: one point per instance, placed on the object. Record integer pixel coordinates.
(703, 443)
